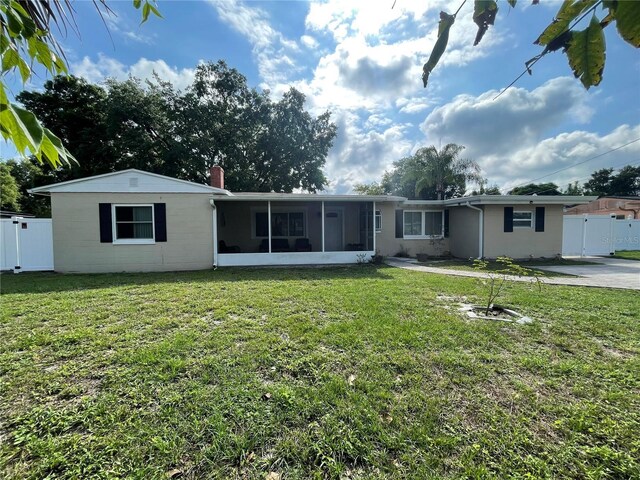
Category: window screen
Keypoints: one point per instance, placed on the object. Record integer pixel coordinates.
(413, 223)
(134, 222)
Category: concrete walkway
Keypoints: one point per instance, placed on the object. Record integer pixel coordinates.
(609, 273)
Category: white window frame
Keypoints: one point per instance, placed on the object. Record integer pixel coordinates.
(422, 235)
(132, 241)
(378, 221)
(303, 210)
(531, 219)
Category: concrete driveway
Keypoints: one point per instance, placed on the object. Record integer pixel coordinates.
(609, 272)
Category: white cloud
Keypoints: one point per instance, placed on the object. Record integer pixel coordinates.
(509, 136)
(563, 151)
(273, 52)
(309, 42)
(107, 67)
(121, 25)
(519, 116)
(414, 104)
(366, 63)
(394, 43)
(361, 154)
(373, 71)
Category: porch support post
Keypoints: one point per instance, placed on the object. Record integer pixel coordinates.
(215, 233)
(323, 227)
(373, 225)
(269, 222)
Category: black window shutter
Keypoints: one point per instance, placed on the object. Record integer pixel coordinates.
(446, 223)
(106, 233)
(399, 224)
(539, 219)
(508, 219)
(160, 219)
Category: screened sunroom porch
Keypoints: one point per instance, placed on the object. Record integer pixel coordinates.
(294, 229)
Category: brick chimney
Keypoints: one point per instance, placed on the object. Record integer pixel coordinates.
(217, 176)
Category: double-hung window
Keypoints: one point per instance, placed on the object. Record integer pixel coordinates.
(133, 224)
(522, 219)
(422, 224)
(413, 224)
(378, 221)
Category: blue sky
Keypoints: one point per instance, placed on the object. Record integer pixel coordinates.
(362, 60)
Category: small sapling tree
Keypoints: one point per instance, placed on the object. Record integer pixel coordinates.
(498, 279)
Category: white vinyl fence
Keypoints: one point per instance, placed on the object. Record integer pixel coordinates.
(26, 244)
(598, 235)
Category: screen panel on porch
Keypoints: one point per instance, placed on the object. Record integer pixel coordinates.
(366, 225)
(347, 226)
(295, 227)
(283, 224)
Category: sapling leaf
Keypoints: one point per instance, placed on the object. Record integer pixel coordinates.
(64, 155)
(155, 11)
(586, 54)
(561, 41)
(4, 43)
(608, 19)
(23, 68)
(444, 26)
(568, 12)
(26, 132)
(14, 23)
(146, 10)
(627, 16)
(484, 14)
(10, 59)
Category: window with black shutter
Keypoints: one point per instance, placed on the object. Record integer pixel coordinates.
(508, 219)
(133, 223)
(399, 223)
(539, 219)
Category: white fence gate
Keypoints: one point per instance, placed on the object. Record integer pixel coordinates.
(26, 244)
(627, 235)
(598, 235)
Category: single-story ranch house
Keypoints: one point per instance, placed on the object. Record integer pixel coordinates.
(138, 221)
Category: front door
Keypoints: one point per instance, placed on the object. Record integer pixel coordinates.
(333, 231)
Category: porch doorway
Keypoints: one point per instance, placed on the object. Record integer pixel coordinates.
(333, 230)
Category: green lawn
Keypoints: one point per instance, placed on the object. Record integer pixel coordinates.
(628, 254)
(360, 372)
(460, 264)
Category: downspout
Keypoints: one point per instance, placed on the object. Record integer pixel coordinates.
(480, 229)
(215, 232)
(322, 227)
(269, 220)
(373, 225)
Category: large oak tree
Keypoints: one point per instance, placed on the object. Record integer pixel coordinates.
(262, 144)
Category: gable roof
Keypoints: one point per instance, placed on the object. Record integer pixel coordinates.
(127, 181)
